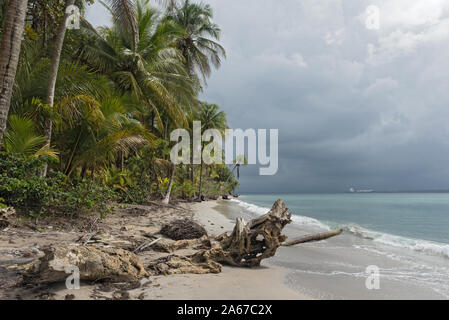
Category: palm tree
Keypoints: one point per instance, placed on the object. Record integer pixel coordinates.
(9, 55)
(93, 132)
(197, 44)
(211, 118)
(166, 199)
(124, 17)
(154, 74)
(54, 67)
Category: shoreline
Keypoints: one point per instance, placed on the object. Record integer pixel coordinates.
(127, 226)
(330, 269)
(336, 268)
(266, 282)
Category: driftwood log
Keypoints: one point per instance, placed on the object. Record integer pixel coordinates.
(312, 237)
(252, 241)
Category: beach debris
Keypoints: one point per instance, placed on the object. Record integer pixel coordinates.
(146, 245)
(313, 237)
(94, 263)
(6, 215)
(183, 229)
(169, 246)
(104, 239)
(121, 295)
(163, 245)
(199, 263)
(251, 242)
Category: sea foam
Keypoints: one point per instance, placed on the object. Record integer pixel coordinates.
(297, 219)
(424, 246)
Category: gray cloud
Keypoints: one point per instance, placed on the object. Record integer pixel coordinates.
(354, 107)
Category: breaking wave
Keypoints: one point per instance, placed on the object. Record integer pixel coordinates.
(424, 246)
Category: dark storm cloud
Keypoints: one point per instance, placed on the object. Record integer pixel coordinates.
(354, 107)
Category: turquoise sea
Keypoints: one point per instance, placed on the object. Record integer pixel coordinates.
(419, 216)
(406, 235)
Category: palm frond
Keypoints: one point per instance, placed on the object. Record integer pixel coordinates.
(21, 139)
(124, 15)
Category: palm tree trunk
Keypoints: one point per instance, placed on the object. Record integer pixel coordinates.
(120, 160)
(68, 168)
(201, 179)
(54, 68)
(170, 185)
(83, 171)
(9, 55)
(201, 173)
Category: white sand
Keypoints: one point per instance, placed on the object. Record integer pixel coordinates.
(212, 220)
(266, 282)
(233, 283)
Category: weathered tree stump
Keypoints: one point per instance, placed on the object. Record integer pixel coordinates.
(252, 241)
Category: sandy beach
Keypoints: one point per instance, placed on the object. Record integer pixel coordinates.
(336, 268)
(266, 282)
(130, 225)
(329, 269)
(263, 283)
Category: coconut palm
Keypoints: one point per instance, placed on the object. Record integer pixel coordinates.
(198, 43)
(9, 55)
(211, 118)
(167, 196)
(125, 18)
(77, 95)
(54, 67)
(154, 74)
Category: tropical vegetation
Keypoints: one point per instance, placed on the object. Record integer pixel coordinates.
(86, 114)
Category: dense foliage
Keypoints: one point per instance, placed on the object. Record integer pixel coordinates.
(22, 187)
(119, 92)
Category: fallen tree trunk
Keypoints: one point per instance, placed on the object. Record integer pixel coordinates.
(252, 241)
(312, 237)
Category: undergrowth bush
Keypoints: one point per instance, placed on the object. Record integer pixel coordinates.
(23, 188)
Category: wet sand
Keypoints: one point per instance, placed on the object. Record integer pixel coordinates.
(336, 268)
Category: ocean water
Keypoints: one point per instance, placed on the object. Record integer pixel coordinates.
(405, 234)
(416, 220)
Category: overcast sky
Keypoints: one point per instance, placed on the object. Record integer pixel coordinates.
(354, 107)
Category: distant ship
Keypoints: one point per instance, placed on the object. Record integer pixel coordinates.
(352, 190)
